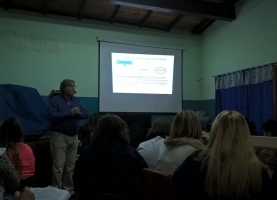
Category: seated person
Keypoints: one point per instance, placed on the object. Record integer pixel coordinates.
(9, 179)
(109, 165)
(268, 156)
(184, 139)
(227, 169)
(252, 127)
(150, 149)
(20, 154)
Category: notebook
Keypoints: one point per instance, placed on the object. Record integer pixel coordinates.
(50, 193)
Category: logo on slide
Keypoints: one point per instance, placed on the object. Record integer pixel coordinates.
(160, 70)
(124, 62)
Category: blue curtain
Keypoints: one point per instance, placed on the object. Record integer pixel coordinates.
(254, 101)
(231, 99)
(260, 103)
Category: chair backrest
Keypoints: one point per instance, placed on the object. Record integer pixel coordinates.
(154, 185)
(264, 142)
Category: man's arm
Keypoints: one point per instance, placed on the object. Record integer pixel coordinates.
(53, 113)
(83, 112)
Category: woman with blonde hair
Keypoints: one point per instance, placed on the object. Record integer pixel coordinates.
(228, 168)
(184, 139)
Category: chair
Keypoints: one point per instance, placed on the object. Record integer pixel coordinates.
(154, 185)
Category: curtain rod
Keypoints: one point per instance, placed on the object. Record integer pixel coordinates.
(247, 69)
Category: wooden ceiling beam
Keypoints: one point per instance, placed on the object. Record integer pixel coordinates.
(57, 13)
(202, 26)
(44, 8)
(174, 22)
(146, 18)
(115, 13)
(83, 7)
(206, 9)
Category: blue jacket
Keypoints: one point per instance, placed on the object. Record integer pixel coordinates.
(58, 114)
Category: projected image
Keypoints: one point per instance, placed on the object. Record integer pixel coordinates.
(142, 73)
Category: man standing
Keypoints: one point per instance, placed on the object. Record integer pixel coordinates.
(65, 112)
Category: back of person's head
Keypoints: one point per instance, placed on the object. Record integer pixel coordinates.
(10, 134)
(111, 128)
(270, 128)
(186, 124)
(185, 129)
(93, 121)
(232, 166)
(251, 126)
(161, 127)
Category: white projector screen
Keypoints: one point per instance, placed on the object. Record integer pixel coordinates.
(139, 79)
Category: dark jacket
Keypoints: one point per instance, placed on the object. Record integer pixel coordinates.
(189, 181)
(108, 167)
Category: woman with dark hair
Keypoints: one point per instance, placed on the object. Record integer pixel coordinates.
(150, 149)
(109, 166)
(20, 154)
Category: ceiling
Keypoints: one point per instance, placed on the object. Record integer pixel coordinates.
(188, 15)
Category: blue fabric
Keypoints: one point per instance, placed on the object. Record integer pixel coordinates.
(231, 99)
(25, 104)
(58, 113)
(254, 101)
(260, 104)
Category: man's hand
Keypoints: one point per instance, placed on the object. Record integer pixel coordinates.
(74, 111)
(26, 194)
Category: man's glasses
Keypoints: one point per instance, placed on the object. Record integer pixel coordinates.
(72, 86)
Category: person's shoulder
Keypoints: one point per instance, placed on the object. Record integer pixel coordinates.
(132, 151)
(76, 98)
(56, 97)
(157, 139)
(24, 147)
(196, 156)
(144, 144)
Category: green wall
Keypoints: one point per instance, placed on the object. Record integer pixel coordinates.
(249, 41)
(39, 52)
